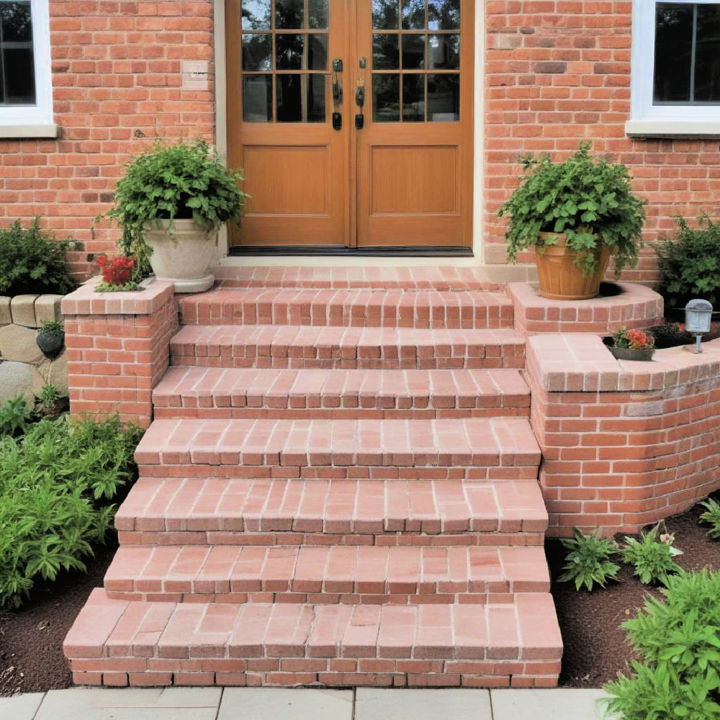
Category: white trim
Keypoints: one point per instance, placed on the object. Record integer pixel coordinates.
(646, 117)
(50, 131)
(40, 115)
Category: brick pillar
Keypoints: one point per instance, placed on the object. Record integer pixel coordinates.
(118, 349)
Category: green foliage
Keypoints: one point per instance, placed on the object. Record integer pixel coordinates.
(678, 642)
(49, 396)
(31, 261)
(54, 327)
(651, 556)
(712, 517)
(14, 417)
(131, 286)
(56, 483)
(690, 264)
(590, 201)
(171, 182)
(589, 561)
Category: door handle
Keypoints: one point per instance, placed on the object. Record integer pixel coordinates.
(360, 95)
(337, 91)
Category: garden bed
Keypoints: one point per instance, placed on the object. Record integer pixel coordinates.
(595, 647)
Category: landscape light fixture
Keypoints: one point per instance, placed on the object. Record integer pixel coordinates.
(698, 315)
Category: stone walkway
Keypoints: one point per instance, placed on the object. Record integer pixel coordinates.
(302, 704)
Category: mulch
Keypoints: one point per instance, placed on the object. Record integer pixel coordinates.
(31, 658)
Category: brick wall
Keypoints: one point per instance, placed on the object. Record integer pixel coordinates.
(116, 85)
(559, 72)
(624, 444)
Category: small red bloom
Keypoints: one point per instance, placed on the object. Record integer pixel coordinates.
(117, 271)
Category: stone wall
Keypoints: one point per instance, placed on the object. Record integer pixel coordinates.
(24, 369)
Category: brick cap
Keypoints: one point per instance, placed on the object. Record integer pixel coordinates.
(582, 363)
(86, 301)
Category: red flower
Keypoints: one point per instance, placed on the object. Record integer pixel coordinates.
(639, 340)
(117, 271)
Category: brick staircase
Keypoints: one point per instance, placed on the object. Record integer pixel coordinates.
(339, 488)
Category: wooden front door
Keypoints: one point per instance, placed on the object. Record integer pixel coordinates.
(352, 121)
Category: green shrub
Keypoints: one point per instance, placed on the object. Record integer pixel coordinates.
(651, 556)
(32, 262)
(589, 561)
(712, 517)
(689, 264)
(14, 417)
(678, 642)
(56, 484)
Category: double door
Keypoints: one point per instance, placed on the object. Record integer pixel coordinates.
(352, 121)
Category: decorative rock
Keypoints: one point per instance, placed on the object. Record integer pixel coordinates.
(19, 344)
(23, 310)
(47, 307)
(16, 379)
(5, 315)
(55, 373)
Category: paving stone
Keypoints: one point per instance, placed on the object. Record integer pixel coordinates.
(5, 314)
(47, 307)
(23, 310)
(565, 704)
(276, 703)
(409, 704)
(20, 707)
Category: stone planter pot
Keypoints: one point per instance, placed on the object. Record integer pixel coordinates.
(560, 278)
(630, 354)
(184, 258)
(51, 343)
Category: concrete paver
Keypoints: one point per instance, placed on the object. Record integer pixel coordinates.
(407, 704)
(562, 704)
(20, 707)
(277, 703)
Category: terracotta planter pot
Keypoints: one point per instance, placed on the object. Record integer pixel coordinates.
(560, 278)
(630, 354)
(185, 258)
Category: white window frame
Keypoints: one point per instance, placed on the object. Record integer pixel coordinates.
(25, 121)
(647, 119)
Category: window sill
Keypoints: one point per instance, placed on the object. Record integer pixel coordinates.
(673, 128)
(49, 131)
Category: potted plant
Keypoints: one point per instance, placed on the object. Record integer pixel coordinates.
(632, 345)
(576, 213)
(171, 203)
(51, 338)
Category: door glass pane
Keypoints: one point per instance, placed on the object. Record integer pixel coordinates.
(256, 52)
(385, 14)
(386, 55)
(316, 98)
(414, 98)
(707, 54)
(443, 98)
(386, 98)
(413, 14)
(413, 52)
(444, 52)
(289, 51)
(673, 50)
(318, 11)
(289, 98)
(317, 52)
(289, 14)
(444, 14)
(256, 14)
(257, 98)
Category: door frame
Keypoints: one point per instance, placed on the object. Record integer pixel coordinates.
(476, 215)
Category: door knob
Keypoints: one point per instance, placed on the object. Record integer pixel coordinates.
(360, 96)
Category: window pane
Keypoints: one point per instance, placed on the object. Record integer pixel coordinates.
(318, 10)
(289, 51)
(673, 50)
(413, 14)
(385, 14)
(316, 98)
(386, 98)
(16, 22)
(443, 98)
(317, 52)
(17, 65)
(289, 98)
(444, 52)
(257, 52)
(444, 14)
(257, 98)
(707, 57)
(289, 13)
(19, 76)
(256, 14)
(413, 98)
(386, 55)
(413, 52)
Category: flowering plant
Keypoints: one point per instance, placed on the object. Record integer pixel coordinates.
(117, 273)
(633, 339)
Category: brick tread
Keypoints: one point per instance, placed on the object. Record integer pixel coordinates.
(328, 574)
(349, 307)
(223, 392)
(236, 510)
(475, 448)
(345, 347)
(159, 643)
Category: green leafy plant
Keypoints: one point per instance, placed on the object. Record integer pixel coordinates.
(589, 561)
(591, 201)
(55, 327)
(677, 640)
(712, 517)
(14, 417)
(130, 286)
(689, 264)
(56, 487)
(651, 556)
(31, 261)
(49, 396)
(171, 182)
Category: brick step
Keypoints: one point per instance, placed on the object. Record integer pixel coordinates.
(472, 448)
(326, 575)
(117, 642)
(297, 346)
(349, 308)
(251, 392)
(171, 511)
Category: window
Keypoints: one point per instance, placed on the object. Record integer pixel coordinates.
(25, 76)
(675, 68)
